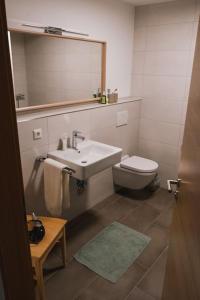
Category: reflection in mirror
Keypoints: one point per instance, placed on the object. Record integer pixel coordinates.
(49, 69)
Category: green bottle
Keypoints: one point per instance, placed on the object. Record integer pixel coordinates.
(103, 98)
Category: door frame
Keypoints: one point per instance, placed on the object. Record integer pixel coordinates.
(15, 259)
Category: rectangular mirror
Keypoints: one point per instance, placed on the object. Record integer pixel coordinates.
(50, 70)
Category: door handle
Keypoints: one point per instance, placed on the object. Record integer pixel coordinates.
(171, 182)
(177, 183)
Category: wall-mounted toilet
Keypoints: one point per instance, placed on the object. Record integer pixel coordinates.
(135, 172)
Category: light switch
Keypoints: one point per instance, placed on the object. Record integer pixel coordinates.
(37, 134)
(122, 118)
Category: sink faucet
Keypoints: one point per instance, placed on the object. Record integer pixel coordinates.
(76, 135)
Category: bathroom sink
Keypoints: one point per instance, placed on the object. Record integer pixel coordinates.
(90, 158)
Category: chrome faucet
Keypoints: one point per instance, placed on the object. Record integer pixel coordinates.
(76, 135)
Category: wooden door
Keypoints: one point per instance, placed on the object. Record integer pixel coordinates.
(182, 280)
(15, 261)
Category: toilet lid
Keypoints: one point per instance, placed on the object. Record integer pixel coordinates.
(139, 164)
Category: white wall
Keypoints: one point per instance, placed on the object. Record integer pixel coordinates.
(98, 124)
(106, 20)
(164, 42)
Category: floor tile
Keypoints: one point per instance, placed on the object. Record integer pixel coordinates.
(138, 196)
(107, 201)
(116, 210)
(80, 235)
(159, 241)
(69, 282)
(152, 283)
(138, 294)
(141, 218)
(165, 218)
(161, 200)
(102, 289)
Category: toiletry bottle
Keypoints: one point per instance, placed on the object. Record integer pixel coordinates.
(99, 93)
(103, 98)
(64, 142)
(116, 95)
(94, 94)
(108, 95)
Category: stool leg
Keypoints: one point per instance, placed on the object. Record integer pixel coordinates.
(40, 280)
(63, 248)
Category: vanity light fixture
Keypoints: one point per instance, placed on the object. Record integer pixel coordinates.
(55, 30)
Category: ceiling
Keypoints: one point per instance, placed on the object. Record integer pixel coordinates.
(143, 2)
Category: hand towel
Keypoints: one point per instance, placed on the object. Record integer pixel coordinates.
(56, 187)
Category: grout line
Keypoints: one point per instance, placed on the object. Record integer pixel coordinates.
(86, 287)
(135, 287)
(147, 272)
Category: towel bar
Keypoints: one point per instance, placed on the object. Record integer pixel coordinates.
(67, 170)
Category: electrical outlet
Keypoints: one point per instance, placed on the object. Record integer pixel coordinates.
(37, 134)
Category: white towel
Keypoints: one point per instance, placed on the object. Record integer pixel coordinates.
(56, 187)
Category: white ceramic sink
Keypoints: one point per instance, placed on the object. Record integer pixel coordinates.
(92, 157)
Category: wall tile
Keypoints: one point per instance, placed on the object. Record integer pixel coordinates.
(107, 135)
(172, 12)
(167, 87)
(137, 86)
(25, 130)
(58, 126)
(133, 109)
(173, 63)
(159, 152)
(160, 132)
(140, 39)
(165, 111)
(138, 62)
(164, 37)
(141, 16)
(33, 179)
(99, 116)
(167, 172)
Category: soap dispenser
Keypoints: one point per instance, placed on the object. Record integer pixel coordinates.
(64, 142)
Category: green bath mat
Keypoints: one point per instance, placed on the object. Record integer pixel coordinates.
(112, 251)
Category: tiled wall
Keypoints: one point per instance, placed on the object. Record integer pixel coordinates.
(164, 42)
(98, 124)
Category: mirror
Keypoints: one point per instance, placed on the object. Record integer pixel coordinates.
(50, 70)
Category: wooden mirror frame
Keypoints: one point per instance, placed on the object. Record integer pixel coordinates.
(36, 108)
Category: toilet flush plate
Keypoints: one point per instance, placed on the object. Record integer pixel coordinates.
(122, 118)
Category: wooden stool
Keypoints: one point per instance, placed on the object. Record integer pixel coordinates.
(55, 232)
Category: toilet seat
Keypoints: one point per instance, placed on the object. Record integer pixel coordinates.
(139, 164)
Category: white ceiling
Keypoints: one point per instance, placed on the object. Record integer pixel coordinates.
(143, 2)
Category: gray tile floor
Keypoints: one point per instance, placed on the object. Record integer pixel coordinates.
(150, 214)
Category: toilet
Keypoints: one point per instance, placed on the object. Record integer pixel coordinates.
(135, 172)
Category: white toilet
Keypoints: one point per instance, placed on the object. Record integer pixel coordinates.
(135, 172)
